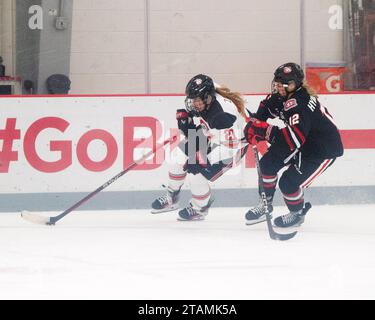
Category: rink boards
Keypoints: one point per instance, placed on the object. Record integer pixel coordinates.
(73, 144)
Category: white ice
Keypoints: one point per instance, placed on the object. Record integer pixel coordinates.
(137, 255)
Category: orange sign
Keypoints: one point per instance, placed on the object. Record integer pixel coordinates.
(326, 80)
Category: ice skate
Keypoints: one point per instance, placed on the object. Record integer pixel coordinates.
(257, 214)
(168, 202)
(292, 219)
(194, 214)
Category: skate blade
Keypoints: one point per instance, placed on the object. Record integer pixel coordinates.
(251, 223)
(173, 208)
(195, 219)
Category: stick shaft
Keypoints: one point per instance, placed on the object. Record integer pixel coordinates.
(53, 220)
(274, 235)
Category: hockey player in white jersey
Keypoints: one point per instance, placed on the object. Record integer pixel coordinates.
(212, 124)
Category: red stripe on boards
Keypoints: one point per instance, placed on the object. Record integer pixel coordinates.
(358, 139)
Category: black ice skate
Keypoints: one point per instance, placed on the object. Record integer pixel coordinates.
(292, 219)
(168, 202)
(258, 214)
(193, 214)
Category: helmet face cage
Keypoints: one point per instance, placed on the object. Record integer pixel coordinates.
(201, 86)
(274, 88)
(189, 105)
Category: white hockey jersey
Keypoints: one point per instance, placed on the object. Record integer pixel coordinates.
(223, 125)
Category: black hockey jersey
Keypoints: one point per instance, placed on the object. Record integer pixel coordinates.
(309, 127)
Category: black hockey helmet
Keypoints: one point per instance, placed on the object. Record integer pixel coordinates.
(289, 72)
(200, 86)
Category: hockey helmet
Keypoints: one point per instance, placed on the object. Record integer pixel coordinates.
(200, 86)
(289, 72)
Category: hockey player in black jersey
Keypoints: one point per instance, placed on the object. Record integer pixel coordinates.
(307, 144)
(212, 125)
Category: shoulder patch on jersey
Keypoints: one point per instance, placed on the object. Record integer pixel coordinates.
(290, 104)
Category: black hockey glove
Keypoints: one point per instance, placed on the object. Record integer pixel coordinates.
(184, 121)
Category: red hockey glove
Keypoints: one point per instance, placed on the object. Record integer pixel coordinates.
(257, 130)
(184, 121)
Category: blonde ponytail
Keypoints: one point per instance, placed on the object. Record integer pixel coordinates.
(310, 90)
(235, 97)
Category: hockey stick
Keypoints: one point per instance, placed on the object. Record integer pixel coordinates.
(274, 235)
(35, 218)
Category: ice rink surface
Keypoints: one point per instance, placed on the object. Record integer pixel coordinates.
(137, 255)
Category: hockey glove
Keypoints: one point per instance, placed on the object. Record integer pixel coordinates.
(184, 121)
(271, 102)
(257, 130)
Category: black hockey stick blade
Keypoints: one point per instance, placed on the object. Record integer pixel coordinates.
(283, 237)
(278, 236)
